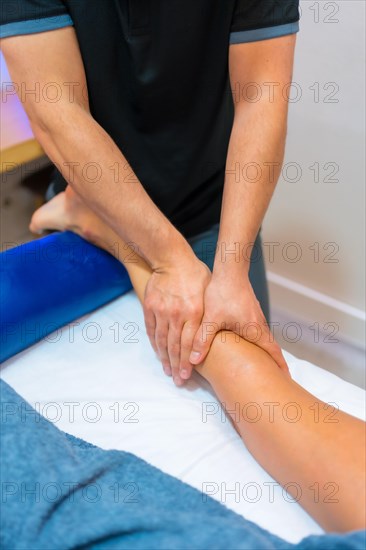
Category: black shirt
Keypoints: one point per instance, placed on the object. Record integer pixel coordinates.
(157, 77)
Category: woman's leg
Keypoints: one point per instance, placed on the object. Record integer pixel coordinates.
(316, 453)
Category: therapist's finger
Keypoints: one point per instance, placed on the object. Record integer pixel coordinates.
(174, 339)
(161, 340)
(202, 341)
(189, 330)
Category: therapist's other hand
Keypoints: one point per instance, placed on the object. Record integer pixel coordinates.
(230, 304)
(173, 310)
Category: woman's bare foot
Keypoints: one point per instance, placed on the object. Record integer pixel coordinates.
(68, 212)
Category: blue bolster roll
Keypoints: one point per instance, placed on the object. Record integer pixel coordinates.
(50, 282)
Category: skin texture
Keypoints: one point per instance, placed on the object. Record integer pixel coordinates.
(323, 452)
(181, 296)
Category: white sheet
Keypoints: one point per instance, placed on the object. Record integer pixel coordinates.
(100, 380)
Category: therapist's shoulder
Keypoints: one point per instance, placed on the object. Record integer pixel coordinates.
(25, 17)
(27, 25)
(263, 20)
(41, 50)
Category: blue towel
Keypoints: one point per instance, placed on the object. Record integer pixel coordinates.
(60, 492)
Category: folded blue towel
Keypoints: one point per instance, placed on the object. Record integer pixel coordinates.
(60, 492)
(47, 283)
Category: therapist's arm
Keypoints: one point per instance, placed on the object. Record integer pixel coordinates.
(69, 134)
(259, 75)
(72, 138)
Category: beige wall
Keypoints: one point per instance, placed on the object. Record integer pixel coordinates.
(327, 283)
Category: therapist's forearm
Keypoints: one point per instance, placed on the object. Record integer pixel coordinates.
(72, 138)
(254, 160)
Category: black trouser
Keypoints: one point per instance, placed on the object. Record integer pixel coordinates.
(204, 246)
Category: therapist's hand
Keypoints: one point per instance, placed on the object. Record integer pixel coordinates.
(173, 310)
(230, 304)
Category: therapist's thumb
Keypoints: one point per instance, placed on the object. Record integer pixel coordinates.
(201, 344)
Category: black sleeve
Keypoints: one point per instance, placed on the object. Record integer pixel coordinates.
(255, 20)
(31, 16)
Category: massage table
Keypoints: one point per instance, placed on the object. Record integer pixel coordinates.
(98, 378)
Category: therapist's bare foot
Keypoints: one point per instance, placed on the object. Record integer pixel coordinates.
(68, 212)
